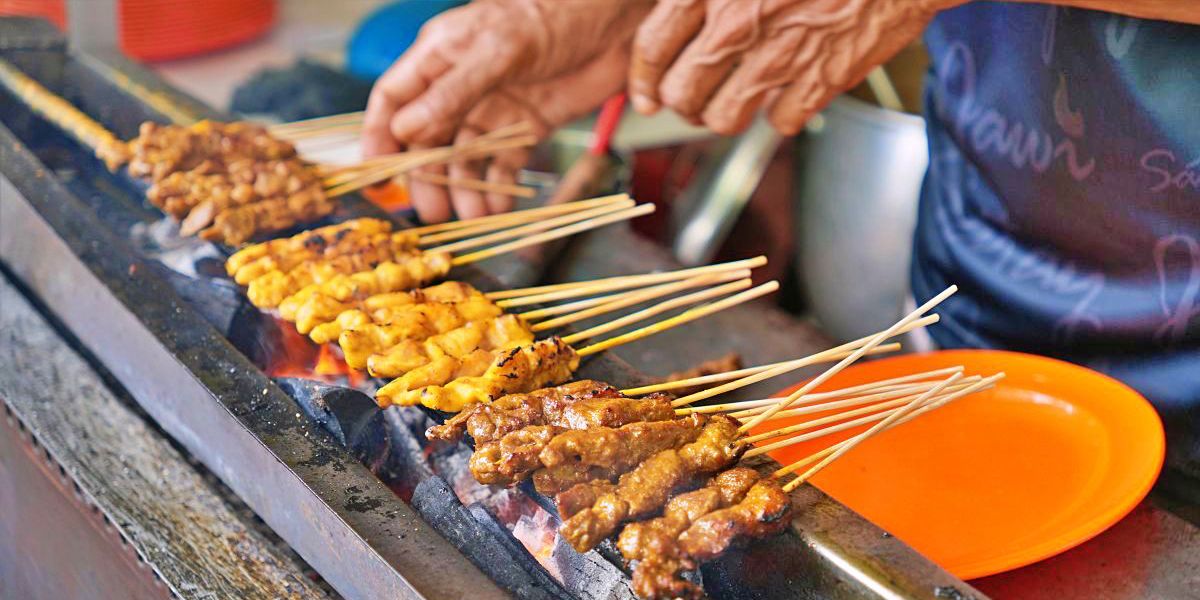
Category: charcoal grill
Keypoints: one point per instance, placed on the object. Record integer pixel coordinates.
(346, 485)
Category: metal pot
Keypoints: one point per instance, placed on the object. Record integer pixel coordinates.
(861, 171)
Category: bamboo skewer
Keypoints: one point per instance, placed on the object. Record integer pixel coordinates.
(884, 424)
(845, 362)
(316, 123)
(560, 291)
(886, 392)
(508, 189)
(852, 347)
(342, 184)
(535, 227)
(735, 408)
(454, 230)
(893, 399)
(543, 237)
(933, 404)
(570, 307)
(658, 309)
(680, 319)
(626, 299)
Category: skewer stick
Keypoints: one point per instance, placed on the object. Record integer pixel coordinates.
(933, 404)
(534, 227)
(348, 131)
(681, 318)
(625, 299)
(856, 440)
(560, 291)
(56, 109)
(554, 234)
(316, 122)
(845, 362)
(877, 403)
(786, 367)
(848, 391)
(344, 183)
(453, 230)
(578, 305)
(508, 189)
(657, 309)
(895, 418)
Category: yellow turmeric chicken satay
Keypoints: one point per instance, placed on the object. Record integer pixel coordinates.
(318, 309)
(387, 244)
(319, 238)
(517, 370)
(489, 335)
(270, 289)
(413, 271)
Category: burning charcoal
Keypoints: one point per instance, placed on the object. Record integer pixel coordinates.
(345, 413)
(485, 541)
(220, 303)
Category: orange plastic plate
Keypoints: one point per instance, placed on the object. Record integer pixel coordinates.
(1049, 458)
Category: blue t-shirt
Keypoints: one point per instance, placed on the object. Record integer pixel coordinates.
(1063, 195)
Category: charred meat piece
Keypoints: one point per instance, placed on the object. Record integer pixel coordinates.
(766, 510)
(235, 226)
(604, 453)
(269, 289)
(654, 543)
(394, 244)
(645, 489)
(406, 273)
(512, 457)
(160, 150)
(311, 243)
(487, 422)
(373, 337)
(319, 310)
(489, 336)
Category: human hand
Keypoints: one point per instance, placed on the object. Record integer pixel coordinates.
(545, 105)
(717, 62)
(485, 64)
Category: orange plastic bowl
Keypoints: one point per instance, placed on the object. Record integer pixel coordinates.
(1051, 457)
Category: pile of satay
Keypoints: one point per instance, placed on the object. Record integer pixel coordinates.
(656, 471)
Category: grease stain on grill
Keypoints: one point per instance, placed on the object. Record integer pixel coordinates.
(357, 503)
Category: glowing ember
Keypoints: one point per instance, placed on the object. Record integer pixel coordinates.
(302, 358)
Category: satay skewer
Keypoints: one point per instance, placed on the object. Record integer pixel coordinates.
(875, 408)
(747, 406)
(538, 226)
(933, 404)
(845, 362)
(772, 371)
(316, 124)
(558, 291)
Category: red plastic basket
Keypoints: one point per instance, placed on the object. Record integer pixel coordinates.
(154, 30)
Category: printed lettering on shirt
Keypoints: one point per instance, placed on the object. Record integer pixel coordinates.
(1178, 312)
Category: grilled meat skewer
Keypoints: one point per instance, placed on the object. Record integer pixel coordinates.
(605, 452)
(440, 358)
(645, 489)
(387, 341)
(517, 370)
(318, 310)
(654, 543)
(314, 243)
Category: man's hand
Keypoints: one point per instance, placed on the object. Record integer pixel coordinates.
(717, 62)
(491, 63)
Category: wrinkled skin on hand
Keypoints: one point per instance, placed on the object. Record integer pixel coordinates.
(493, 63)
(717, 62)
